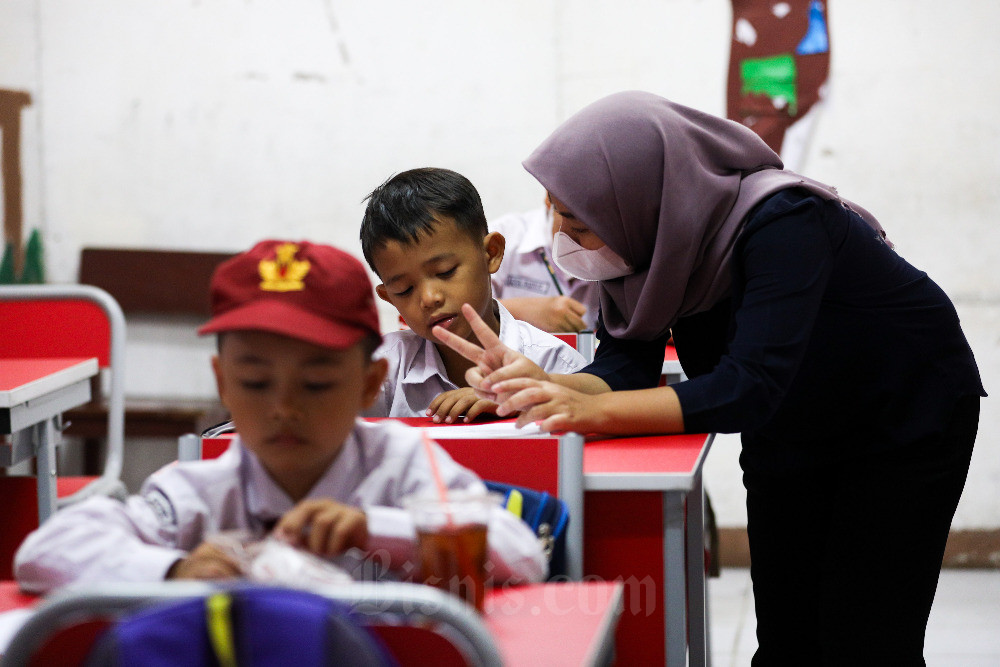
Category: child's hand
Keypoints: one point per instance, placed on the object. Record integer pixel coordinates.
(549, 313)
(208, 561)
(324, 527)
(449, 406)
(494, 360)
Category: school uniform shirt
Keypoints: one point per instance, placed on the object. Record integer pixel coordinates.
(523, 272)
(831, 346)
(102, 540)
(417, 374)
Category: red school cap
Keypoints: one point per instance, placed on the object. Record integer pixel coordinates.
(309, 291)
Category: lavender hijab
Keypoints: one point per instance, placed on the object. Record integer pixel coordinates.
(667, 188)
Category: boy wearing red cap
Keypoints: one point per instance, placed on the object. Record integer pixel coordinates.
(296, 325)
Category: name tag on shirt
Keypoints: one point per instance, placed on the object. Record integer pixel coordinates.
(527, 284)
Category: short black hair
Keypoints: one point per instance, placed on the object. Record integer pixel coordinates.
(405, 206)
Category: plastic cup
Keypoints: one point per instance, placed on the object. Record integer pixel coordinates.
(451, 543)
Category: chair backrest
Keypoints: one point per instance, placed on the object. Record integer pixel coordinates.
(418, 624)
(263, 626)
(72, 321)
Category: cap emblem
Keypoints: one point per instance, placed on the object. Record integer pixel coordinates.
(284, 273)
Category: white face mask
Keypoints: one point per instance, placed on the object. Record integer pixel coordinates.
(577, 261)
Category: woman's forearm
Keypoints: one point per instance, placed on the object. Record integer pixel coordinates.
(582, 382)
(636, 412)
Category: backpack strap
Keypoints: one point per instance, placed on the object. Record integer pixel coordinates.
(219, 623)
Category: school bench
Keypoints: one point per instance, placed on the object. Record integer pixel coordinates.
(147, 282)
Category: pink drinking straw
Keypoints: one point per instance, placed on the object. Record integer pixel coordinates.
(429, 448)
(463, 558)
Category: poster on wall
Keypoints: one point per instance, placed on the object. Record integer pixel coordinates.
(779, 62)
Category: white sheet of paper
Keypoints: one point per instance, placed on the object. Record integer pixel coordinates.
(505, 429)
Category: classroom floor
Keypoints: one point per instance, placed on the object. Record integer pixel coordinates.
(963, 631)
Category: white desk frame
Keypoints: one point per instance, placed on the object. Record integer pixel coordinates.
(31, 413)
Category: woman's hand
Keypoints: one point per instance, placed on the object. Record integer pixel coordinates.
(324, 527)
(553, 407)
(494, 361)
(449, 406)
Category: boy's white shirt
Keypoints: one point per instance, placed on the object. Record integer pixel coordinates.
(105, 540)
(417, 374)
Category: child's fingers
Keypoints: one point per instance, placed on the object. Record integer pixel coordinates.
(480, 407)
(442, 405)
(345, 529)
(480, 328)
(350, 531)
(435, 404)
(459, 408)
(299, 521)
(470, 351)
(574, 323)
(475, 379)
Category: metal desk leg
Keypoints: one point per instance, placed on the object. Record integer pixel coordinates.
(697, 594)
(674, 589)
(45, 435)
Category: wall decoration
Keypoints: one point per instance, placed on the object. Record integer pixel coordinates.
(779, 61)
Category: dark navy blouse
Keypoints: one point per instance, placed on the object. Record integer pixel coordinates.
(830, 344)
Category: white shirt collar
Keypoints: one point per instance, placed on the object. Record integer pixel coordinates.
(268, 501)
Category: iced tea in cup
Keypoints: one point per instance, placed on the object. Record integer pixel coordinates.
(451, 542)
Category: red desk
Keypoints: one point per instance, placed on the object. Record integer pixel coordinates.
(570, 623)
(33, 395)
(11, 597)
(637, 493)
(644, 525)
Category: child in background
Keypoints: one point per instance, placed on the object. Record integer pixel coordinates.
(531, 286)
(296, 325)
(424, 233)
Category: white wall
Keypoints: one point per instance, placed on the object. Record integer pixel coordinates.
(211, 124)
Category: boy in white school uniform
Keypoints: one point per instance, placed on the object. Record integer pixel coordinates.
(531, 286)
(424, 233)
(296, 325)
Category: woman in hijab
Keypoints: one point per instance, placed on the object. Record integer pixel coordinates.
(844, 368)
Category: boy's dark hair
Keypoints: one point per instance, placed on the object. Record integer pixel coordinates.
(404, 207)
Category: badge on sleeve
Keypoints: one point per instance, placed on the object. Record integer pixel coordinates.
(161, 506)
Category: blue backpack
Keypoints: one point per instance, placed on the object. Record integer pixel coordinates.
(546, 515)
(249, 626)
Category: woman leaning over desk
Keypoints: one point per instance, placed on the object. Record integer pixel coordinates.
(844, 368)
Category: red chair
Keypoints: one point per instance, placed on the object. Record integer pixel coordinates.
(63, 321)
